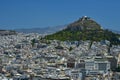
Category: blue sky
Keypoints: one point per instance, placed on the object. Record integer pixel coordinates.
(43, 13)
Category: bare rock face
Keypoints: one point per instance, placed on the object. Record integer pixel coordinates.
(84, 23)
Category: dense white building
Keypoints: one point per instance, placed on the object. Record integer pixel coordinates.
(98, 65)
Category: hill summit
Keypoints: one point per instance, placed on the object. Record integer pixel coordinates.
(85, 29)
(84, 23)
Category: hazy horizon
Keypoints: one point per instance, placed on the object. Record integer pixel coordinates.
(38, 14)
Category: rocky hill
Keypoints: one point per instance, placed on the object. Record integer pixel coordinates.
(85, 29)
(84, 23)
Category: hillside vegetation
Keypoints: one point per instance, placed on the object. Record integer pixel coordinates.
(85, 29)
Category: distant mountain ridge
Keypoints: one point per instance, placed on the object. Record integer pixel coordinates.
(81, 24)
(44, 30)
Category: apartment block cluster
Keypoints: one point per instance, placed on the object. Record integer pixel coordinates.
(30, 57)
